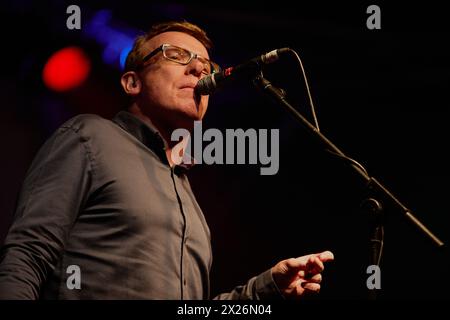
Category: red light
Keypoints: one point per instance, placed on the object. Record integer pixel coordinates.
(66, 69)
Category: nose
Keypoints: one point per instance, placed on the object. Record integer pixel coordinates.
(195, 67)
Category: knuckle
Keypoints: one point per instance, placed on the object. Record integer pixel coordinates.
(290, 262)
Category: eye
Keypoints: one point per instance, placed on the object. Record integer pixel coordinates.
(177, 54)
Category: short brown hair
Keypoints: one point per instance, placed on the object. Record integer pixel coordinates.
(135, 56)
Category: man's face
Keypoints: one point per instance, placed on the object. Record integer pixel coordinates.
(168, 87)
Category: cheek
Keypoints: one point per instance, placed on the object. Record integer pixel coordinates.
(159, 88)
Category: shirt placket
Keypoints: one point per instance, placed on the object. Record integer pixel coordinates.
(183, 281)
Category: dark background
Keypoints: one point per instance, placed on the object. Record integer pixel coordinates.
(381, 96)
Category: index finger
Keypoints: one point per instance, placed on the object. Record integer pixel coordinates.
(326, 256)
(314, 265)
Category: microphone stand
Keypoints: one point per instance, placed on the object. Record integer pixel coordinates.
(372, 207)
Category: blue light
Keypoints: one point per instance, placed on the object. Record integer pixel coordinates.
(124, 55)
(117, 41)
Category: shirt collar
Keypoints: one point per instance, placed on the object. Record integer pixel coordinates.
(147, 135)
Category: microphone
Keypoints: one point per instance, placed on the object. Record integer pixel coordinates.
(210, 83)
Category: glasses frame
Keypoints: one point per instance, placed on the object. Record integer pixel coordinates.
(214, 66)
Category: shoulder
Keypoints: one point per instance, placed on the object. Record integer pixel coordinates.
(89, 127)
(84, 123)
(99, 135)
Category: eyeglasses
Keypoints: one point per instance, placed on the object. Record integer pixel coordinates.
(182, 56)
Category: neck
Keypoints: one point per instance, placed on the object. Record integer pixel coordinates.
(164, 132)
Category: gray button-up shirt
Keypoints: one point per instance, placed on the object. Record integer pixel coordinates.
(101, 196)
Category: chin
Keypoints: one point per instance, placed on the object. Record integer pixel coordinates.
(193, 111)
(186, 121)
(185, 114)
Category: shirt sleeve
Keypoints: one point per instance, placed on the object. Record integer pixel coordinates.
(53, 193)
(261, 287)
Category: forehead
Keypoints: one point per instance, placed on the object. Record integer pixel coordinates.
(178, 39)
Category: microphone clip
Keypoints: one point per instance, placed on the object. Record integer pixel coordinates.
(266, 86)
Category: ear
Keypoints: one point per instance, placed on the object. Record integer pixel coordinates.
(131, 83)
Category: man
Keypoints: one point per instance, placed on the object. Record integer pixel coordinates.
(104, 201)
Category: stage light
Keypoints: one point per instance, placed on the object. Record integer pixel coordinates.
(116, 39)
(66, 69)
(124, 54)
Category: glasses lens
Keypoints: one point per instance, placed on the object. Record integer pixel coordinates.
(177, 54)
(183, 56)
(207, 68)
(214, 67)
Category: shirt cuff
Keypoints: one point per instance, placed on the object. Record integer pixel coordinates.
(266, 287)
